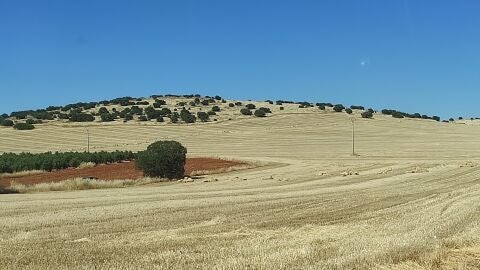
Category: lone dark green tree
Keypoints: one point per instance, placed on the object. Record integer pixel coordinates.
(164, 159)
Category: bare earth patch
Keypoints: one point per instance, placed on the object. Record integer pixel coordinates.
(125, 170)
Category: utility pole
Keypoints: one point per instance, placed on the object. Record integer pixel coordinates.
(88, 140)
(353, 136)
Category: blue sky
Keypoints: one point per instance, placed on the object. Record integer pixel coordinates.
(409, 55)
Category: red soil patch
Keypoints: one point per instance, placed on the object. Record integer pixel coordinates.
(125, 170)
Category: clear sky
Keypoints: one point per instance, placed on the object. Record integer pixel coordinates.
(409, 55)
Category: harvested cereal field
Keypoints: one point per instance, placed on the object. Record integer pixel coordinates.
(409, 200)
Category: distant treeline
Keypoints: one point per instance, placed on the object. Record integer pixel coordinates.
(11, 162)
(76, 112)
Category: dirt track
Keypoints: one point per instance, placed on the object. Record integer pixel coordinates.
(126, 170)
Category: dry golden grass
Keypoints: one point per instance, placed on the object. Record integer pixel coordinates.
(228, 169)
(20, 174)
(299, 214)
(84, 165)
(78, 184)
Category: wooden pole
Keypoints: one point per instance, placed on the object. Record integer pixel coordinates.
(88, 140)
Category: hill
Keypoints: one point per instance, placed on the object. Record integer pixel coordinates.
(407, 201)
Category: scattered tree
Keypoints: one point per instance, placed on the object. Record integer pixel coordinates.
(260, 113)
(106, 117)
(203, 116)
(164, 159)
(355, 107)
(245, 111)
(338, 108)
(367, 114)
(82, 117)
(23, 126)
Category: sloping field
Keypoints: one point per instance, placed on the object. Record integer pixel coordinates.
(411, 200)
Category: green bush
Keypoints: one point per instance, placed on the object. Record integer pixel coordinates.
(324, 104)
(245, 111)
(174, 118)
(151, 113)
(82, 117)
(23, 126)
(181, 103)
(212, 113)
(142, 118)
(397, 115)
(260, 113)
(355, 107)
(128, 117)
(136, 110)
(187, 117)
(165, 111)
(164, 159)
(106, 117)
(231, 105)
(103, 110)
(348, 110)
(203, 116)
(338, 108)
(30, 121)
(282, 108)
(304, 104)
(160, 102)
(367, 114)
(266, 110)
(7, 123)
(10, 162)
(215, 109)
(160, 119)
(250, 106)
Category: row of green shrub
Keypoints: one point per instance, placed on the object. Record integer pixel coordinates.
(260, 112)
(28, 125)
(398, 114)
(11, 162)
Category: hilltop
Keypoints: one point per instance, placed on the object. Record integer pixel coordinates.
(176, 109)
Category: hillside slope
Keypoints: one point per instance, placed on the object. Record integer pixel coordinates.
(408, 201)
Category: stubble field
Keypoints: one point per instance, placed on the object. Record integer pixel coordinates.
(410, 200)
